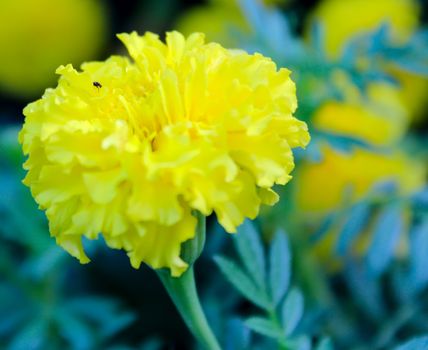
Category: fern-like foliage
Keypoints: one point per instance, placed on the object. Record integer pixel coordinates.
(263, 278)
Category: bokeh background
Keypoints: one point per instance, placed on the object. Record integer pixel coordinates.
(356, 212)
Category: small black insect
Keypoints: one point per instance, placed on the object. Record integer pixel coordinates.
(97, 84)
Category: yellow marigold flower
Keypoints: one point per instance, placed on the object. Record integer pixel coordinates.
(344, 19)
(130, 149)
(37, 36)
(320, 192)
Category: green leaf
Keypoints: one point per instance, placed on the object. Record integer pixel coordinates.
(31, 337)
(292, 311)
(385, 239)
(327, 223)
(117, 323)
(242, 282)
(10, 323)
(415, 344)
(325, 344)
(237, 336)
(353, 226)
(418, 255)
(75, 331)
(191, 249)
(264, 326)
(250, 249)
(152, 344)
(301, 343)
(107, 313)
(420, 199)
(279, 268)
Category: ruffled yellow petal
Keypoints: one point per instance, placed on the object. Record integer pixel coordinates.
(128, 149)
(159, 245)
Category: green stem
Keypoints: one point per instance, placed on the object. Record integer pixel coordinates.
(182, 291)
(274, 318)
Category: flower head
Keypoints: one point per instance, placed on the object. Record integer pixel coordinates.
(130, 149)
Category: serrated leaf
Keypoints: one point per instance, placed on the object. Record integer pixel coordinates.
(419, 255)
(94, 308)
(237, 335)
(39, 266)
(385, 239)
(75, 331)
(353, 226)
(153, 343)
(13, 321)
(242, 282)
(279, 267)
(325, 344)
(302, 343)
(292, 311)
(343, 143)
(412, 64)
(365, 290)
(263, 326)
(324, 228)
(313, 152)
(385, 188)
(420, 343)
(250, 249)
(117, 323)
(318, 38)
(378, 38)
(107, 313)
(33, 336)
(253, 11)
(420, 199)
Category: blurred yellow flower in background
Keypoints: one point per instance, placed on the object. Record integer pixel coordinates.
(37, 36)
(322, 186)
(343, 20)
(341, 25)
(131, 149)
(378, 118)
(342, 179)
(217, 20)
(413, 93)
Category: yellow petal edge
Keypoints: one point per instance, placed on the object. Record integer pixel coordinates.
(129, 148)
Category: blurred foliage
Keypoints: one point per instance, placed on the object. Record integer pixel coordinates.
(269, 290)
(340, 263)
(40, 308)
